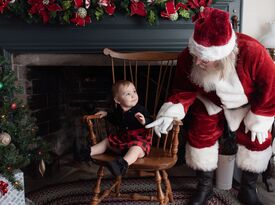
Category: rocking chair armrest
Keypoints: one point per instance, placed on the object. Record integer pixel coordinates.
(90, 125)
(90, 117)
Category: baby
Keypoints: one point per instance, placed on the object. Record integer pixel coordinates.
(132, 140)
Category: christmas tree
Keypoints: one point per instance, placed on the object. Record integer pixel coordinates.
(19, 145)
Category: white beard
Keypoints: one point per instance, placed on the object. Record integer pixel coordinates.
(205, 78)
(209, 78)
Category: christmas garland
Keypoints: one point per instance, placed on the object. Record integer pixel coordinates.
(83, 12)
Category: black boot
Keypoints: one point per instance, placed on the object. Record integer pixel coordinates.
(84, 154)
(248, 194)
(204, 188)
(118, 167)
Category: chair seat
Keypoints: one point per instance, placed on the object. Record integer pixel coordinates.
(158, 159)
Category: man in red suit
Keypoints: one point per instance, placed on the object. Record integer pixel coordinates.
(223, 77)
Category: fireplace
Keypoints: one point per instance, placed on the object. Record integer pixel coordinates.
(47, 57)
(59, 89)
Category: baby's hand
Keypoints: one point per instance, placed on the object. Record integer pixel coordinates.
(140, 118)
(101, 114)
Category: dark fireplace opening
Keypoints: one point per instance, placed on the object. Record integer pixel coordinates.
(59, 96)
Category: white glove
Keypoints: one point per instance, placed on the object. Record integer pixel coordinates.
(258, 125)
(167, 113)
(261, 136)
(162, 125)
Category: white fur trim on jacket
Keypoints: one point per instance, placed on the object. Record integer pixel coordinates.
(258, 123)
(171, 110)
(212, 53)
(211, 108)
(235, 117)
(204, 159)
(253, 161)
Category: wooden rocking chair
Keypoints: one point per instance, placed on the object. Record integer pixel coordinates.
(151, 73)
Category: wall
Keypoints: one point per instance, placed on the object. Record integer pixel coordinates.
(256, 15)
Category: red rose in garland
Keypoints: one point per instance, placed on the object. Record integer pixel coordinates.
(80, 17)
(138, 7)
(108, 6)
(3, 5)
(43, 8)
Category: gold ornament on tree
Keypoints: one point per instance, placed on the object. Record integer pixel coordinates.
(5, 139)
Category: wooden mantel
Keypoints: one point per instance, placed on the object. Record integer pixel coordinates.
(119, 32)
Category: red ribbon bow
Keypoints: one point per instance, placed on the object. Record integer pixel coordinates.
(3, 187)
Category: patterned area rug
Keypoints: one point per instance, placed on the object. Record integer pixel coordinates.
(79, 192)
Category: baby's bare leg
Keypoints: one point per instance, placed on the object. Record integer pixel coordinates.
(100, 147)
(133, 154)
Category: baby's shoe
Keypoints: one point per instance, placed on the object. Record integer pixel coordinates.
(85, 154)
(118, 167)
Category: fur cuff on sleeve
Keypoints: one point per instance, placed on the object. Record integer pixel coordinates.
(258, 123)
(172, 110)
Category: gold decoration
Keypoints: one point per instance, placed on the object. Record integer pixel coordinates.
(5, 139)
(82, 12)
(46, 2)
(18, 185)
(9, 168)
(42, 167)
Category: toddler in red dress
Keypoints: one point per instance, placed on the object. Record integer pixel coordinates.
(132, 140)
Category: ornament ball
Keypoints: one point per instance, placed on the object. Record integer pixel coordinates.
(5, 139)
(13, 106)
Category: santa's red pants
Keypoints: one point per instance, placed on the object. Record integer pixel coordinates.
(205, 130)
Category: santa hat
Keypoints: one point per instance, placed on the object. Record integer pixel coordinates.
(213, 37)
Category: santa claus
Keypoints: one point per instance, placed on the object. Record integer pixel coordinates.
(223, 77)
